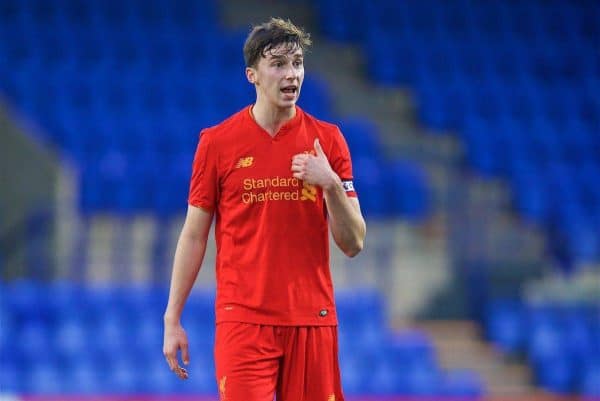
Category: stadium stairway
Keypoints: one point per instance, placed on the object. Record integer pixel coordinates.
(459, 346)
(425, 251)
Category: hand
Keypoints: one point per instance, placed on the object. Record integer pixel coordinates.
(175, 339)
(314, 170)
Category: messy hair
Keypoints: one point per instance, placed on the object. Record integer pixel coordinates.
(271, 34)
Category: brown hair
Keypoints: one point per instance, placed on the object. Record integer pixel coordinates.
(271, 34)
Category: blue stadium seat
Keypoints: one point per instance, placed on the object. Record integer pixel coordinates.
(462, 383)
(158, 378)
(589, 385)
(124, 375)
(12, 378)
(23, 298)
(385, 377)
(85, 376)
(72, 338)
(35, 340)
(369, 180)
(409, 192)
(409, 347)
(8, 326)
(505, 325)
(44, 378)
(362, 137)
(530, 197)
(555, 373)
(339, 20)
(356, 367)
(422, 378)
(316, 98)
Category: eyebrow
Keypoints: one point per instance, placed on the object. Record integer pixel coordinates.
(296, 55)
(283, 57)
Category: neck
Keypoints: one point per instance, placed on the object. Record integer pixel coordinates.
(272, 119)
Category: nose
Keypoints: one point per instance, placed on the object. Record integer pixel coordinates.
(291, 72)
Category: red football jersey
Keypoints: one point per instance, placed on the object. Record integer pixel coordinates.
(271, 229)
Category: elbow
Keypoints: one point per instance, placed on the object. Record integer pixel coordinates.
(353, 243)
(354, 249)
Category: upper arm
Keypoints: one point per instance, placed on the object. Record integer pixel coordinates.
(341, 162)
(204, 189)
(197, 222)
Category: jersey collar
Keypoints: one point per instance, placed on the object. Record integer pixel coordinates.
(287, 127)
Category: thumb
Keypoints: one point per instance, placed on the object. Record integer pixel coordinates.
(318, 148)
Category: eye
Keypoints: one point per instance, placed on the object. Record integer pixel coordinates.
(297, 63)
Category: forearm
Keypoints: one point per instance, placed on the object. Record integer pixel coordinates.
(186, 265)
(347, 225)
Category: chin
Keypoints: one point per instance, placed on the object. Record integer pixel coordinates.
(287, 104)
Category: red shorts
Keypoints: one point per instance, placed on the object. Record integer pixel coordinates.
(297, 363)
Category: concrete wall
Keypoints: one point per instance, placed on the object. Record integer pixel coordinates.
(28, 175)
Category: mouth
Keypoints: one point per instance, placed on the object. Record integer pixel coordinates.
(290, 90)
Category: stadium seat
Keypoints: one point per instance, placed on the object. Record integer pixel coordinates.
(362, 137)
(590, 380)
(356, 367)
(44, 378)
(462, 383)
(12, 377)
(85, 376)
(555, 373)
(506, 325)
(71, 338)
(124, 375)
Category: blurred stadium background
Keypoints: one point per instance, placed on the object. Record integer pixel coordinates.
(475, 133)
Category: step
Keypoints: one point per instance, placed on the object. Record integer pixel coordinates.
(459, 346)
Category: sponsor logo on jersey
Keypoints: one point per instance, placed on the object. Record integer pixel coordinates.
(331, 397)
(222, 387)
(348, 186)
(309, 192)
(245, 162)
(277, 188)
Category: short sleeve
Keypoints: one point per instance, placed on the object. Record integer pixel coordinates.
(341, 162)
(204, 181)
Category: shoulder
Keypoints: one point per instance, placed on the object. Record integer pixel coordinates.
(330, 134)
(324, 128)
(226, 128)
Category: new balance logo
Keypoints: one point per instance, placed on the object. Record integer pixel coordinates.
(244, 162)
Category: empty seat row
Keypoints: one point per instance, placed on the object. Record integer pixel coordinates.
(561, 341)
(515, 81)
(79, 339)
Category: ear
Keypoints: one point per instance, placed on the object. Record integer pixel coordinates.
(251, 75)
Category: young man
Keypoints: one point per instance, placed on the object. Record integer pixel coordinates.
(276, 179)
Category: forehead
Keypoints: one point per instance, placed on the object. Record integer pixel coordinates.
(284, 50)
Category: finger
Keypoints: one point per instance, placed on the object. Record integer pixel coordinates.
(297, 167)
(181, 373)
(300, 157)
(171, 361)
(318, 148)
(185, 354)
(298, 175)
(169, 358)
